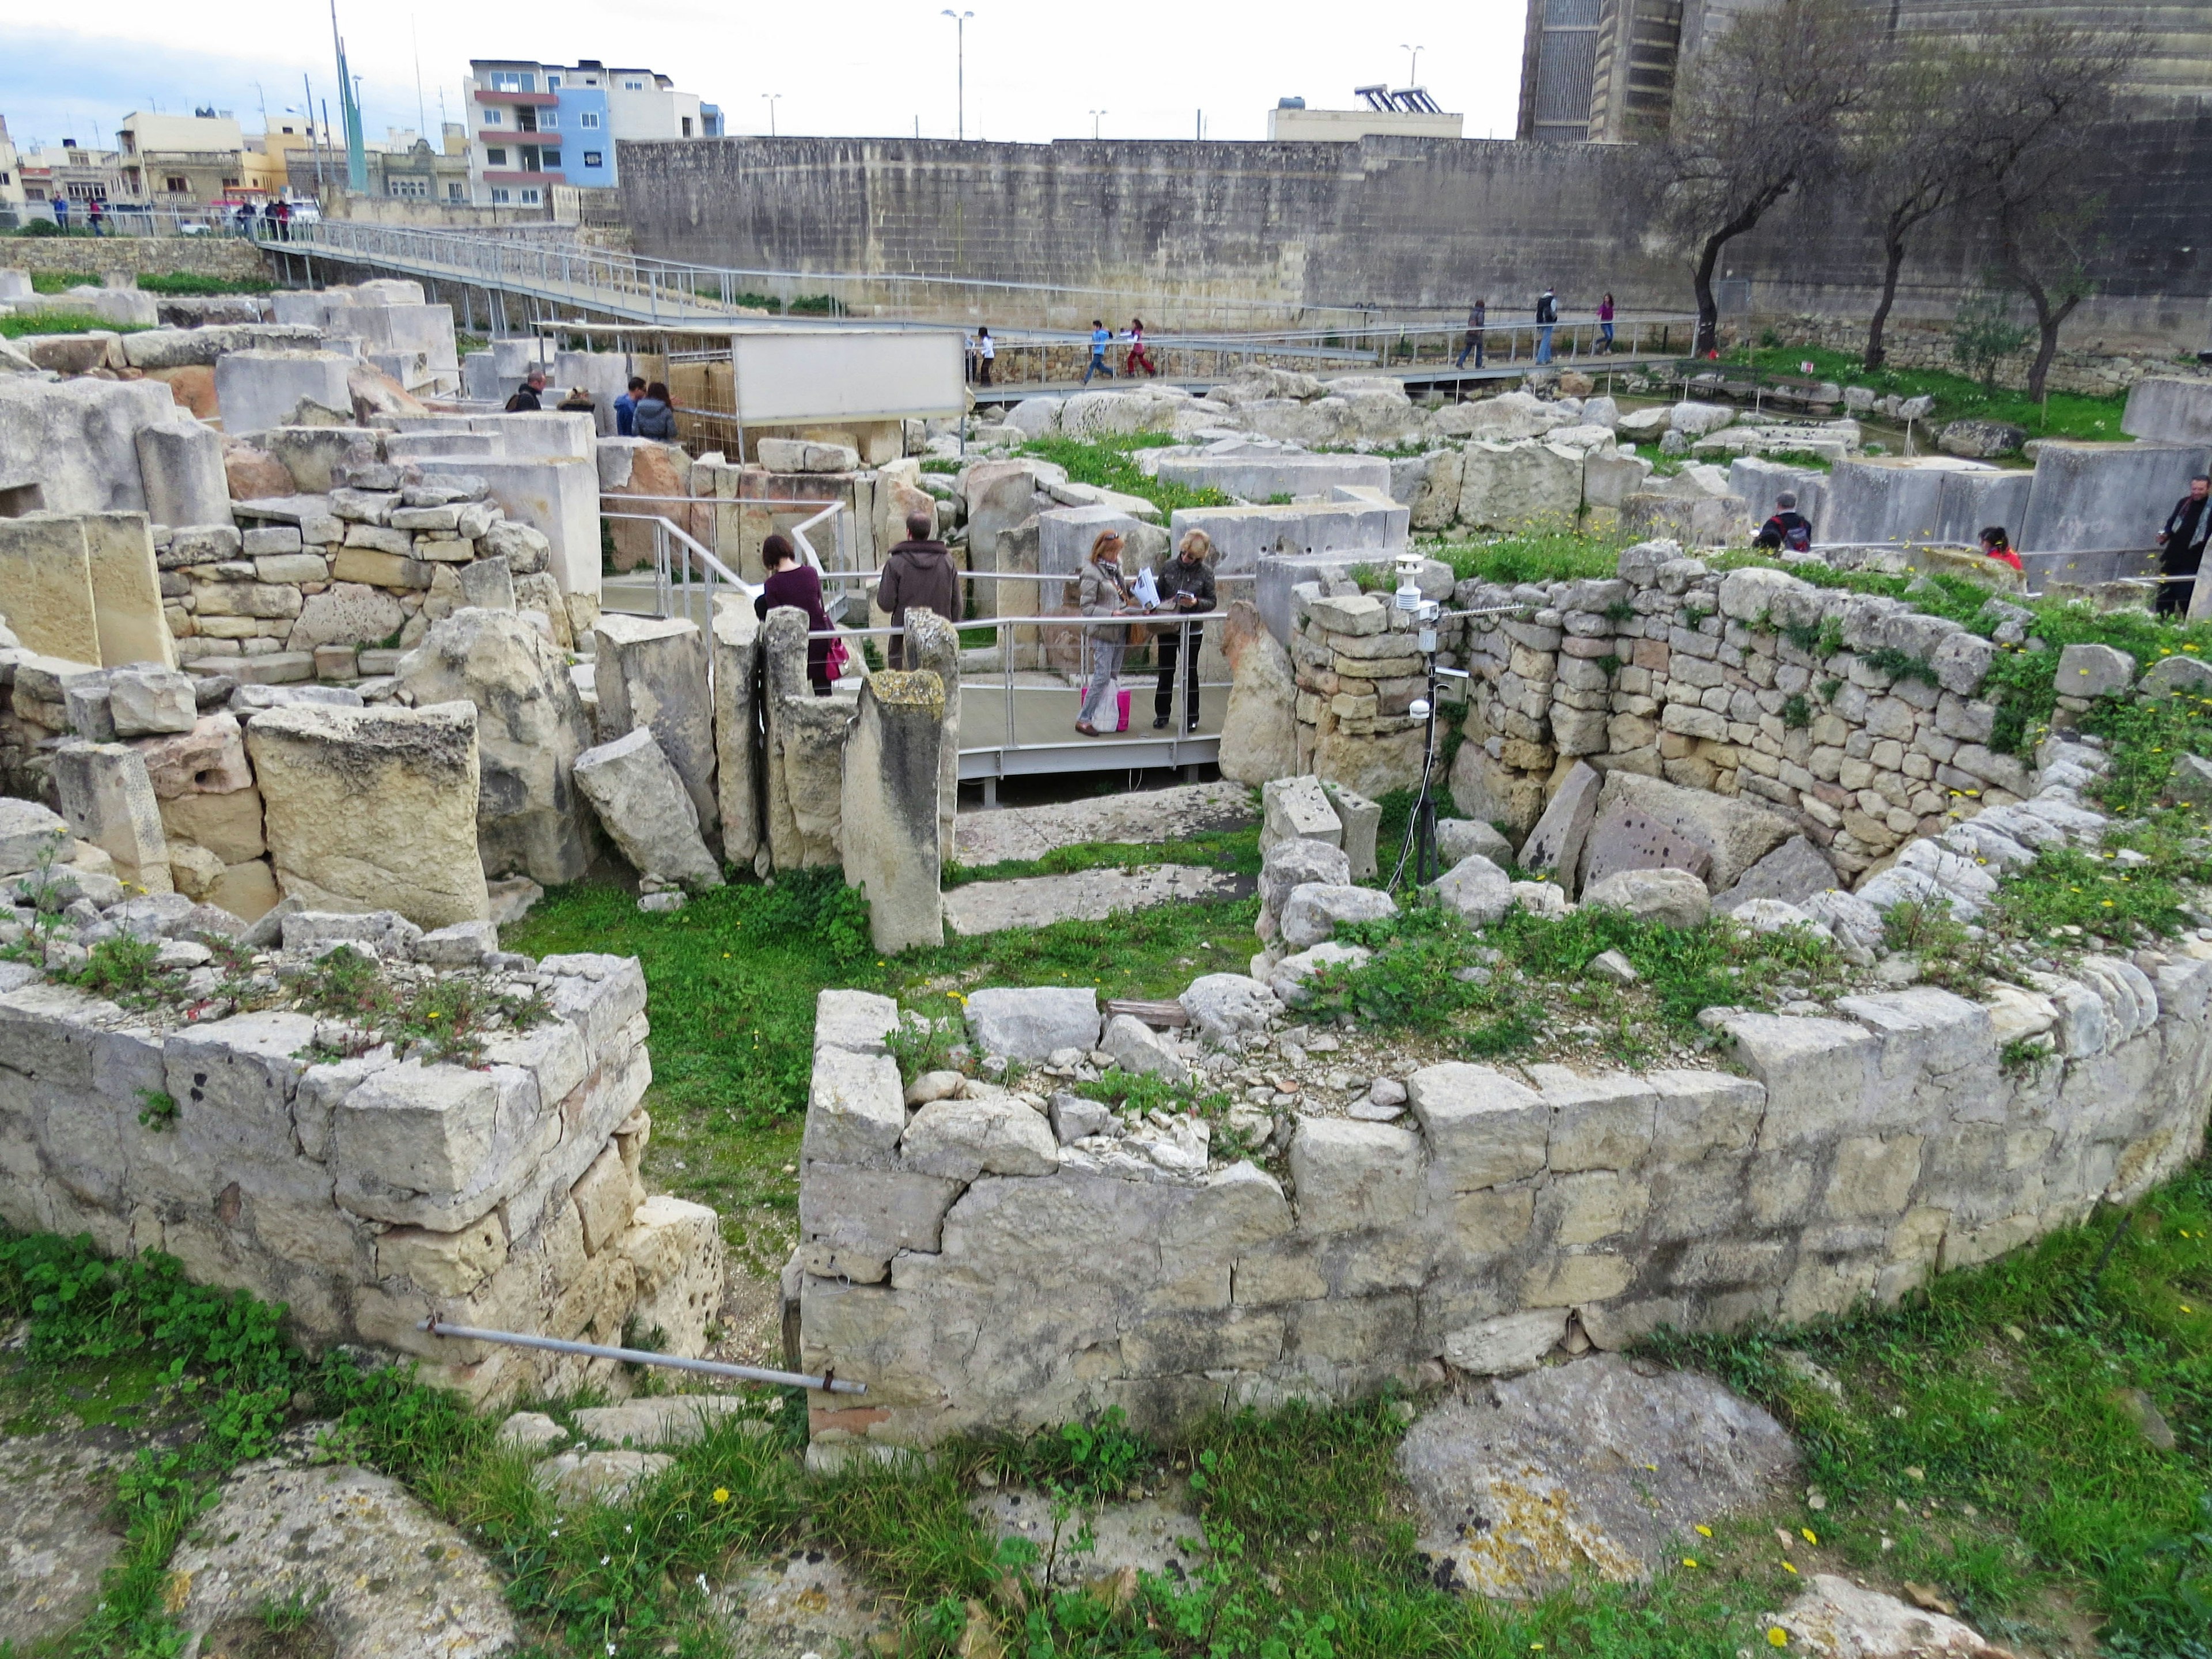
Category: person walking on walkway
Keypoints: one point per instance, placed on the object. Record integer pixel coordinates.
(986, 353)
(1475, 314)
(799, 587)
(2181, 546)
(1186, 584)
(656, 414)
(1605, 325)
(1139, 357)
(283, 221)
(96, 215)
(61, 214)
(1101, 593)
(1547, 317)
(626, 408)
(919, 574)
(1101, 337)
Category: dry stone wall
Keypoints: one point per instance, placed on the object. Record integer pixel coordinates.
(978, 1277)
(369, 1192)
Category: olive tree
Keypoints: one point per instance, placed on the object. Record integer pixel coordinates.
(1761, 113)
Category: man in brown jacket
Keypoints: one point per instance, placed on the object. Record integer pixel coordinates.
(918, 575)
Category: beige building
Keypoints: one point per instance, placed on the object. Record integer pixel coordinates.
(11, 170)
(181, 161)
(1408, 112)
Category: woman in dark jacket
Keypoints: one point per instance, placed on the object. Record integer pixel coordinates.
(797, 585)
(656, 414)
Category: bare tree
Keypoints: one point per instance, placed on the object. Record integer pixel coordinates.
(1759, 115)
(1908, 151)
(2045, 90)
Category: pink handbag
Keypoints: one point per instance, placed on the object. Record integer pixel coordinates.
(1121, 708)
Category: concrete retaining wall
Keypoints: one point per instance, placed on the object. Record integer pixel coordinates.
(1856, 1156)
(368, 1193)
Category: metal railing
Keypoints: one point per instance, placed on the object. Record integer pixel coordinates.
(687, 578)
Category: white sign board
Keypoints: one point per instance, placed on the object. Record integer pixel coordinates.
(788, 377)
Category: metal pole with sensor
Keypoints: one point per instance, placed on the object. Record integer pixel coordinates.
(828, 1382)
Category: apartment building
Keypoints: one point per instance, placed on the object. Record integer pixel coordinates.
(180, 160)
(537, 125)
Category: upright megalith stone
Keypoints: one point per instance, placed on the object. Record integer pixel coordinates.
(126, 590)
(530, 727)
(181, 466)
(45, 575)
(108, 798)
(804, 748)
(933, 644)
(652, 672)
(642, 801)
(374, 809)
(889, 819)
(737, 728)
(1259, 732)
(258, 390)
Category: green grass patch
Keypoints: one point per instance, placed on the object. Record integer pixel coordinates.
(61, 281)
(1237, 851)
(61, 322)
(1108, 463)
(191, 282)
(1958, 397)
(1537, 557)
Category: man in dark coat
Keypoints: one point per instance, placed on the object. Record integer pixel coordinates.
(919, 574)
(526, 397)
(2181, 545)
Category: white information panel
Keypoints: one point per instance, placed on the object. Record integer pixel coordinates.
(786, 377)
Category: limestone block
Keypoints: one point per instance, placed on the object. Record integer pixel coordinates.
(1597, 1123)
(737, 651)
(1483, 1128)
(444, 1264)
(1814, 1072)
(260, 389)
(143, 701)
(180, 468)
(675, 1250)
(1031, 1024)
(1734, 834)
(1355, 1177)
(1258, 731)
(1229, 1007)
(2094, 671)
(1506, 1344)
(1458, 837)
(345, 613)
(868, 1216)
(531, 818)
(29, 832)
(1515, 486)
(1136, 1049)
(889, 811)
(1289, 979)
(858, 1021)
(435, 1146)
(805, 743)
(109, 800)
(1292, 863)
(963, 1138)
(208, 758)
(1314, 910)
(645, 809)
(1675, 898)
(46, 571)
(605, 1197)
(368, 809)
(1298, 809)
(855, 1110)
(1791, 873)
(1476, 889)
(1555, 845)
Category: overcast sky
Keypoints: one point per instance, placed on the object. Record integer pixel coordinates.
(1036, 70)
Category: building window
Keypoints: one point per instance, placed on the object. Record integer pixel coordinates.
(496, 157)
(552, 83)
(530, 198)
(492, 117)
(550, 161)
(687, 126)
(512, 81)
(413, 187)
(230, 184)
(588, 118)
(633, 86)
(500, 196)
(99, 192)
(549, 118)
(176, 184)
(594, 158)
(455, 192)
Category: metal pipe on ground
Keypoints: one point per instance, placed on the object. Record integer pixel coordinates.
(830, 1382)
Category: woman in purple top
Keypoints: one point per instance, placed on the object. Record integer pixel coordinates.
(796, 585)
(1605, 322)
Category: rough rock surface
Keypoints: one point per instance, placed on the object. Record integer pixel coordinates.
(1792, 872)
(389, 1580)
(530, 727)
(1477, 888)
(1837, 1619)
(56, 1536)
(645, 809)
(1259, 734)
(1316, 908)
(808, 1601)
(1138, 817)
(1588, 1466)
(1031, 1024)
(989, 907)
(1160, 1535)
(1675, 897)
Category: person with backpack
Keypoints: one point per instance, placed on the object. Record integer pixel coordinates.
(1475, 316)
(1547, 318)
(1788, 530)
(525, 398)
(919, 574)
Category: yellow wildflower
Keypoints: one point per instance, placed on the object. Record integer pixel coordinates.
(721, 1494)
(1776, 1636)
(1807, 1534)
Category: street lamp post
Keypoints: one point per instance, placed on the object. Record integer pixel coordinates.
(1412, 74)
(960, 68)
(1094, 115)
(771, 97)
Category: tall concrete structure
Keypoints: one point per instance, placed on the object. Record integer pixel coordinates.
(539, 125)
(1605, 71)
(180, 160)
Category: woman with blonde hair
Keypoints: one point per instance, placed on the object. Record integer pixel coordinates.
(1186, 584)
(1101, 593)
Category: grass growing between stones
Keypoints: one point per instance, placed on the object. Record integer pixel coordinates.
(1234, 851)
(61, 322)
(1106, 462)
(1532, 556)
(1958, 397)
(2028, 1441)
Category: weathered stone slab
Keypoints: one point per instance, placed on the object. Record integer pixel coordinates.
(652, 672)
(1625, 839)
(647, 812)
(1031, 1024)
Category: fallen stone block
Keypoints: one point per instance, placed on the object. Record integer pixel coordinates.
(1673, 898)
(109, 800)
(645, 809)
(1031, 1024)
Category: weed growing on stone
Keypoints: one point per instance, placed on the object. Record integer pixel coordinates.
(447, 1018)
(1107, 463)
(1531, 556)
(1234, 851)
(122, 968)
